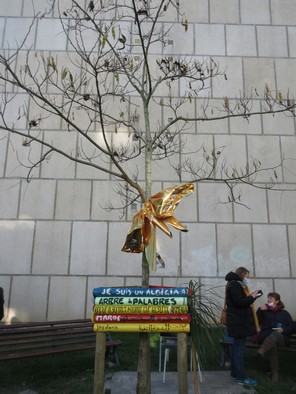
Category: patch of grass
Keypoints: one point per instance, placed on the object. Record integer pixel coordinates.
(50, 374)
(70, 373)
(258, 369)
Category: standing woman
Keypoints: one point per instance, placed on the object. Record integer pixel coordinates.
(241, 320)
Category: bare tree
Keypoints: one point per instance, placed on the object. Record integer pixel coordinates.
(106, 91)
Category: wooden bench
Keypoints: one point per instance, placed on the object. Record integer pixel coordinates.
(23, 340)
(226, 348)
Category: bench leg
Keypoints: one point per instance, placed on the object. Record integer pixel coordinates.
(115, 355)
(112, 355)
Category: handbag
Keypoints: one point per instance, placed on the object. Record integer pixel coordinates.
(248, 293)
(223, 317)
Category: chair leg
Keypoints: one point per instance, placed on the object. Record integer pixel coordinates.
(160, 354)
(166, 358)
(199, 369)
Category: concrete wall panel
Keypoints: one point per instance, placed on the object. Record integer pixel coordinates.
(213, 203)
(88, 249)
(292, 248)
(286, 288)
(199, 251)
(21, 157)
(56, 165)
(234, 247)
(9, 198)
(288, 145)
(42, 192)
(240, 40)
(266, 150)
(255, 12)
(12, 8)
(257, 73)
(272, 41)
(73, 200)
(233, 85)
(285, 72)
(224, 12)
(177, 44)
(282, 206)
(211, 109)
(278, 124)
(16, 242)
(243, 125)
(67, 293)
(49, 35)
(283, 12)
(271, 251)
(209, 39)
(51, 239)
(292, 40)
(15, 31)
(28, 298)
(3, 148)
(197, 11)
(251, 207)
(30, 9)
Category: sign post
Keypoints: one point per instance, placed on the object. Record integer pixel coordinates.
(143, 310)
(182, 363)
(99, 369)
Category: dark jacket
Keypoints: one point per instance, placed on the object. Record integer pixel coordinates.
(268, 320)
(240, 319)
(1, 303)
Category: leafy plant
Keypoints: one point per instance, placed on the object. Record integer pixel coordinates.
(205, 308)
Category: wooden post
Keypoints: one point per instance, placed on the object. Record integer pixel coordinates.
(182, 363)
(99, 369)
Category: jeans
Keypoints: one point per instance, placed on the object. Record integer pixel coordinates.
(237, 358)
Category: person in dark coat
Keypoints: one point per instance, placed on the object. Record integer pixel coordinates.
(1, 303)
(240, 320)
(276, 327)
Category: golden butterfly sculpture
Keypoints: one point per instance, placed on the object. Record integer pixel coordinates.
(158, 211)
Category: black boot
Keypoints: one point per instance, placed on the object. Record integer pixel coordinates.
(274, 367)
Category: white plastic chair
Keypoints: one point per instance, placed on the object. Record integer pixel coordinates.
(168, 342)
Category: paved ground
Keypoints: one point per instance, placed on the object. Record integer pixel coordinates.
(213, 382)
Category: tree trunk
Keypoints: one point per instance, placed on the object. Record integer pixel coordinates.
(144, 373)
(144, 377)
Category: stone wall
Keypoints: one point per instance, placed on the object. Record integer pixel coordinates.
(56, 240)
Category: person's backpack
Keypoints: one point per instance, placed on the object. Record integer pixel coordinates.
(1, 303)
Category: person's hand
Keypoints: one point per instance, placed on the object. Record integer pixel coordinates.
(256, 294)
(280, 330)
(263, 307)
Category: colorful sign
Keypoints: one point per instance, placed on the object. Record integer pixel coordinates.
(153, 309)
